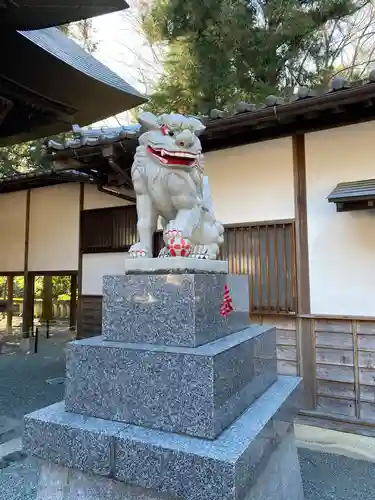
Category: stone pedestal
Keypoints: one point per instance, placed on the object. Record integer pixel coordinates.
(172, 401)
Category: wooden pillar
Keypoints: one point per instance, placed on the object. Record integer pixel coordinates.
(73, 301)
(10, 280)
(306, 358)
(80, 258)
(28, 305)
(47, 307)
(28, 287)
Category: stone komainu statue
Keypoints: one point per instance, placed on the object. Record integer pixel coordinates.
(168, 180)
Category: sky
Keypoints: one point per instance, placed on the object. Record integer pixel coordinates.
(116, 40)
(123, 49)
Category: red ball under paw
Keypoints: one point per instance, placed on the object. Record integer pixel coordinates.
(179, 247)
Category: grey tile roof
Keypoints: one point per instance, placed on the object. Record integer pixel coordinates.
(66, 50)
(338, 86)
(94, 136)
(44, 177)
(353, 191)
(45, 173)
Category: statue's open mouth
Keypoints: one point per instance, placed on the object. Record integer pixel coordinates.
(173, 157)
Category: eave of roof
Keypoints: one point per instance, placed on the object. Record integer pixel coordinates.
(38, 14)
(307, 110)
(246, 126)
(43, 178)
(91, 90)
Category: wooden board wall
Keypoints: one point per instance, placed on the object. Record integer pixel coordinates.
(345, 365)
(90, 316)
(345, 369)
(286, 341)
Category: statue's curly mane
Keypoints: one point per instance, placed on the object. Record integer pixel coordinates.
(140, 155)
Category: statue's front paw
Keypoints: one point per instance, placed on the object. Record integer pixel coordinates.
(164, 252)
(170, 233)
(203, 252)
(138, 251)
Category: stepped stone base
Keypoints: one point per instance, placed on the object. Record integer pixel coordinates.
(249, 460)
(173, 402)
(196, 391)
(280, 479)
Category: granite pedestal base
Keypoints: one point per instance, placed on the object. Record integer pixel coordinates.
(168, 309)
(279, 480)
(196, 391)
(182, 467)
(173, 401)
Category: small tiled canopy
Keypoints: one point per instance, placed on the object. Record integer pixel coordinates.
(355, 195)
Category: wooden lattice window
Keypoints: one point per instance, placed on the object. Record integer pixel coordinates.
(266, 252)
(108, 229)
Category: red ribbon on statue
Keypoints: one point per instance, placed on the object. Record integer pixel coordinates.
(226, 307)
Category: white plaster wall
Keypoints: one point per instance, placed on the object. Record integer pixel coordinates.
(341, 245)
(54, 228)
(253, 182)
(95, 199)
(95, 266)
(12, 231)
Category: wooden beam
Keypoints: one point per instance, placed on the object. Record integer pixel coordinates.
(300, 204)
(28, 287)
(80, 257)
(10, 280)
(73, 302)
(305, 331)
(47, 306)
(63, 112)
(117, 194)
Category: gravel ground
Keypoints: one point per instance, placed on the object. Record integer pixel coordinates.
(325, 477)
(23, 389)
(333, 477)
(23, 386)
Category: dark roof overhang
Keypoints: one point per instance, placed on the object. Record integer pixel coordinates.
(53, 83)
(40, 178)
(37, 14)
(355, 195)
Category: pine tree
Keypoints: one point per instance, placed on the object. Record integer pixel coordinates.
(226, 50)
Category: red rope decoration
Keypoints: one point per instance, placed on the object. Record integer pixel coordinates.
(226, 307)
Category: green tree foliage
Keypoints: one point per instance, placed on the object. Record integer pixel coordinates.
(60, 287)
(22, 158)
(226, 50)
